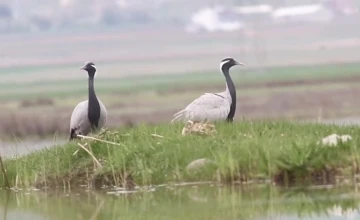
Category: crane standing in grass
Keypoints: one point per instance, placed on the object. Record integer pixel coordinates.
(89, 115)
(213, 106)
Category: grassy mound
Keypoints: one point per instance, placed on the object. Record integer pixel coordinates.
(282, 152)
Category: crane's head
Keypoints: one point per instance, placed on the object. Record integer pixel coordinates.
(90, 68)
(227, 63)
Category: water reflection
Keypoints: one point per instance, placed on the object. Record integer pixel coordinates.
(190, 202)
(7, 197)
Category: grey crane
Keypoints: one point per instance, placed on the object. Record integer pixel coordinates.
(89, 115)
(213, 106)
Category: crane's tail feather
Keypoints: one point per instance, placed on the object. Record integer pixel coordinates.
(181, 115)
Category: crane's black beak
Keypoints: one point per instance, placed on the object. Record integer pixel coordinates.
(83, 68)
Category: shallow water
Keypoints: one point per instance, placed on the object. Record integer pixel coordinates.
(22, 147)
(343, 121)
(184, 202)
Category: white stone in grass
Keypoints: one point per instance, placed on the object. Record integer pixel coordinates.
(332, 140)
(345, 138)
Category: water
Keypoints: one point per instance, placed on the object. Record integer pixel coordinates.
(22, 147)
(344, 121)
(184, 202)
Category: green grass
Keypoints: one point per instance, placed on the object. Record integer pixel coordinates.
(281, 151)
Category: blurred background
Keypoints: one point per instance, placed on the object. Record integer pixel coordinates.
(154, 57)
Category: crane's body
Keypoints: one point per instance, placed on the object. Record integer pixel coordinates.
(80, 122)
(213, 106)
(89, 115)
(208, 107)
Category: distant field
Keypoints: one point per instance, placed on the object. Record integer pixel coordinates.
(48, 88)
(119, 54)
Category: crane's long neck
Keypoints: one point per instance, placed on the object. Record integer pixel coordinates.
(94, 105)
(230, 88)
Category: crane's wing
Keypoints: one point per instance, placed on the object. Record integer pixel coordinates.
(208, 107)
(79, 122)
